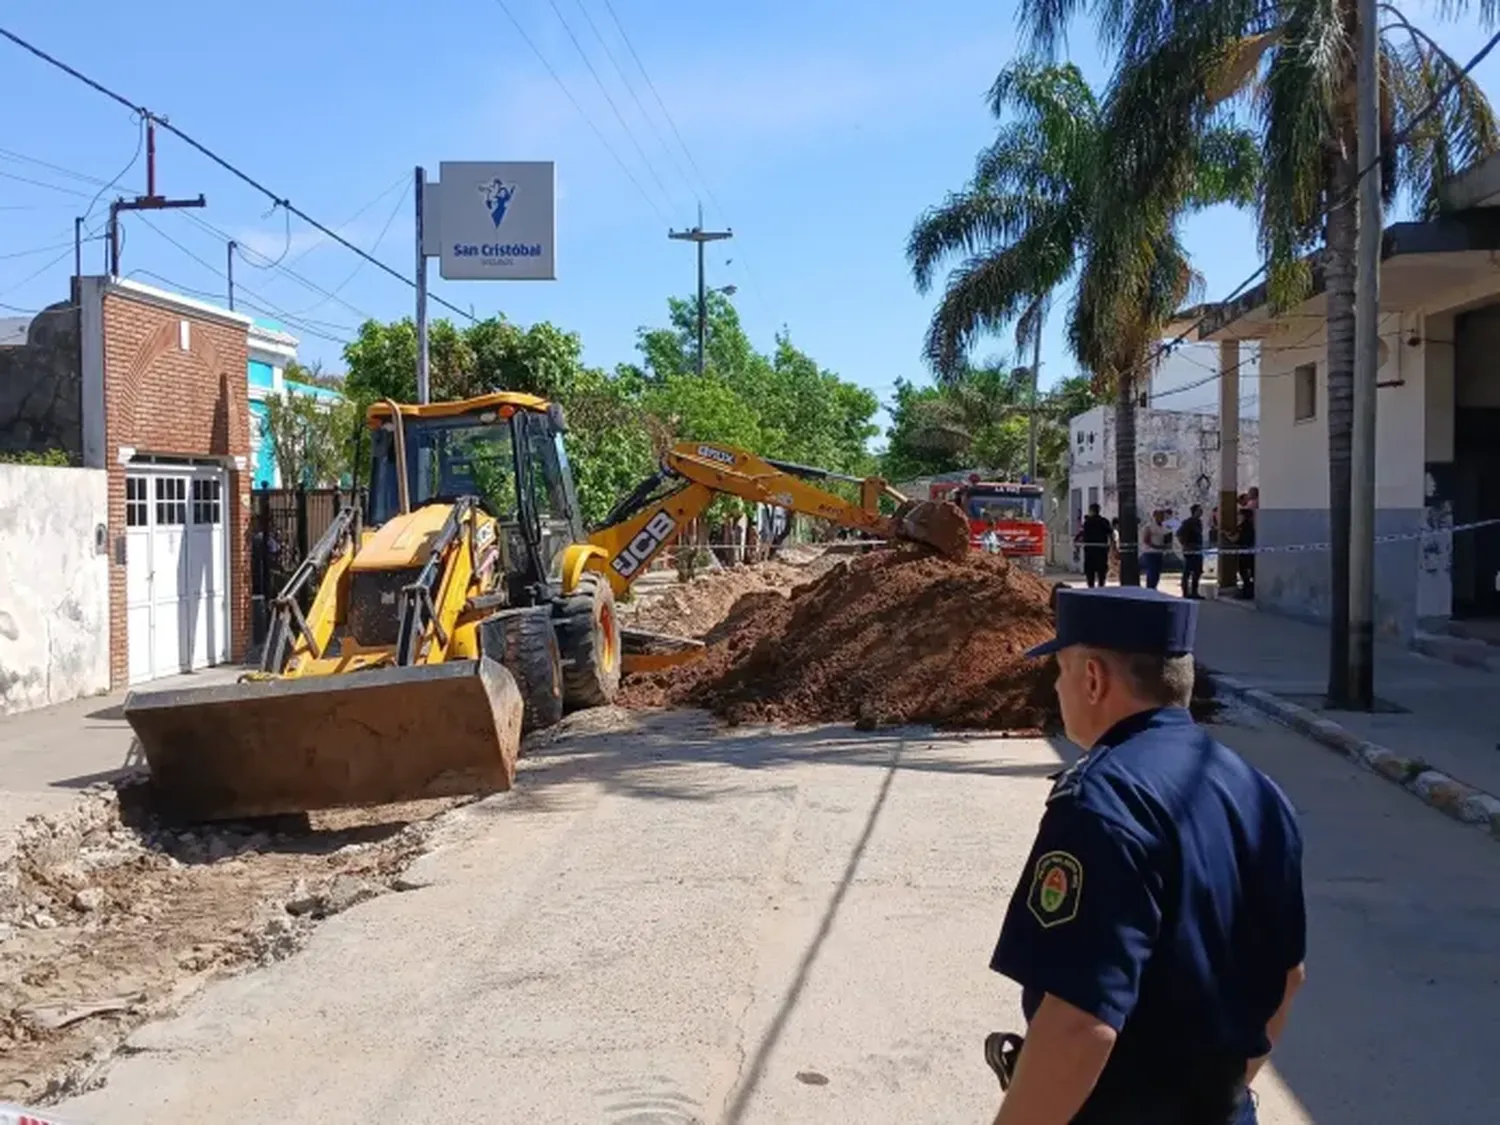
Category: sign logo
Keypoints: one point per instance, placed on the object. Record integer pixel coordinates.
(639, 551)
(718, 455)
(497, 196)
(1056, 886)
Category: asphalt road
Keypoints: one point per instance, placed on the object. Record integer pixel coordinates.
(670, 925)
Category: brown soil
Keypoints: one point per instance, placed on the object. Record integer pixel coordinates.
(897, 636)
(108, 919)
(691, 609)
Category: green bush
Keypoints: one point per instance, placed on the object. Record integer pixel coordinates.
(48, 458)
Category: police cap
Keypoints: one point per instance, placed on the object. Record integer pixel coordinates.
(1123, 619)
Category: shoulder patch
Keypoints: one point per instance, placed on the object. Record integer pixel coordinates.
(1056, 887)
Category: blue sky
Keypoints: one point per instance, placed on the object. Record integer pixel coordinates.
(820, 135)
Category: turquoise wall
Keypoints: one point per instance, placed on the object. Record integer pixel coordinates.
(261, 374)
(265, 454)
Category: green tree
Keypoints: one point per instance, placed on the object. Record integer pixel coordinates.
(1041, 211)
(311, 437)
(1290, 65)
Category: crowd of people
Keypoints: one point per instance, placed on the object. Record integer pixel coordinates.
(1193, 536)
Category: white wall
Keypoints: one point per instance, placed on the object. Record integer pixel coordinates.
(1187, 380)
(54, 586)
(1294, 455)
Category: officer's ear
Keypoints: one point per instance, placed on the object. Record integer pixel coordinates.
(1096, 675)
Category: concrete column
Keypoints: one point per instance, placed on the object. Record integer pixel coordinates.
(1229, 454)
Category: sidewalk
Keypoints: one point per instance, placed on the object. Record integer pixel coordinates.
(1442, 747)
(50, 755)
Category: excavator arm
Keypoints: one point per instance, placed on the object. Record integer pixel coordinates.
(692, 474)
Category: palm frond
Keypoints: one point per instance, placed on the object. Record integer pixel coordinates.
(1442, 144)
(1298, 109)
(963, 225)
(989, 291)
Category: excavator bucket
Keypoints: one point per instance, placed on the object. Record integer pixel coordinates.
(940, 524)
(268, 747)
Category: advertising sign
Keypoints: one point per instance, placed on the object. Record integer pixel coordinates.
(497, 221)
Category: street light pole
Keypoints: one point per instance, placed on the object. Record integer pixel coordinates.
(700, 236)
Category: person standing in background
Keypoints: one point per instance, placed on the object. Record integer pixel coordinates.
(1096, 535)
(1190, 535)
(1154, 538)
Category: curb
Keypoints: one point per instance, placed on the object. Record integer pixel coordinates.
(1453, 798)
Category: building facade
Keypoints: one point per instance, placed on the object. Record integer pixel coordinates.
(1177, 462)
(1437, 454)
(166, 415)
(272, 349)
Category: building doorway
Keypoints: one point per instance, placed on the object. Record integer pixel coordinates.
(1476, 464)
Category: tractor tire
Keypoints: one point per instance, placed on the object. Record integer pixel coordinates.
(588, 631)
(525, 642)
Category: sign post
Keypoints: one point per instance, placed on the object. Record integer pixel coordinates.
(483, 221)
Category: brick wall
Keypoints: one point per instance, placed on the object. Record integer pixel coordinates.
(161, 398)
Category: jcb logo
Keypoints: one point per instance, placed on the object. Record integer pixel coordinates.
(637, 553)
(716, 455)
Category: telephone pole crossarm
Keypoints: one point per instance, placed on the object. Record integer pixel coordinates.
(702, 237)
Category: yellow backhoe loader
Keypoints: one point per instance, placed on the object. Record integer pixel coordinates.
(461, 606)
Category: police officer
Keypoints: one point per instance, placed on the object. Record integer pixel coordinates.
(1158, 930)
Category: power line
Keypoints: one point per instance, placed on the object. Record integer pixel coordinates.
(379, 239)
(630, 89)
(620, 117)
(676, 132)
(311, 286)
(239, 174)
(589, 121)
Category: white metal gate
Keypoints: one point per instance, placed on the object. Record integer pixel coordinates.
(177, 604)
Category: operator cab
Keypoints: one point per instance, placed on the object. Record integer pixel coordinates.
(504, 450)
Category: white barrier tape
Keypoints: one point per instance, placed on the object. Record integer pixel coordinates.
(1380, 540)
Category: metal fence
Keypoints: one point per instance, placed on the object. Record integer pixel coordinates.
(285, 523)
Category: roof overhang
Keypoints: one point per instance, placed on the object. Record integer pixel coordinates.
(1418, 261)
(1478, 186)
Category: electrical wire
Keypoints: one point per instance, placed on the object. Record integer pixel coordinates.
(224, 277)
(375, 246)
(223, 163)
(708, 189)
(630, 89)
(311, 286)
(614, 108)
(589, 121)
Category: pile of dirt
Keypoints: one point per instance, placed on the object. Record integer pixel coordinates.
(897, 636)
(691, 609)
(108, 919)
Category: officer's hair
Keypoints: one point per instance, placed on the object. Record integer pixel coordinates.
(1166, 681)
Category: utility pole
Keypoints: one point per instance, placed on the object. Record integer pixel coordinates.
(1036, 367)
(701, 236)
(229, 270)
(148, 202)
(1359, 679)
(424, 386)
(78, 246)
(1229, 459)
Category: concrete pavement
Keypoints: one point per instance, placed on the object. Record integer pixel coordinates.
(1441, 743)
(49, 755)
(668, 923)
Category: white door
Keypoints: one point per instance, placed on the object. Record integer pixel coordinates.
(176, 570)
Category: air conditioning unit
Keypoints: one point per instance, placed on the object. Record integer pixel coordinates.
(1162, 459)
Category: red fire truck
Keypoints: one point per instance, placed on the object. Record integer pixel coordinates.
(1003, 517)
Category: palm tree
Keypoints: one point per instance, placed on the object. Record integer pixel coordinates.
(1040, 211)
(1291, 65)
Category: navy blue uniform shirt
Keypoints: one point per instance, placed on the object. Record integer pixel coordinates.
(1163, 896)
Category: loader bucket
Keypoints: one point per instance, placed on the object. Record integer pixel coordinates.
(267, 747)
(940, 524)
